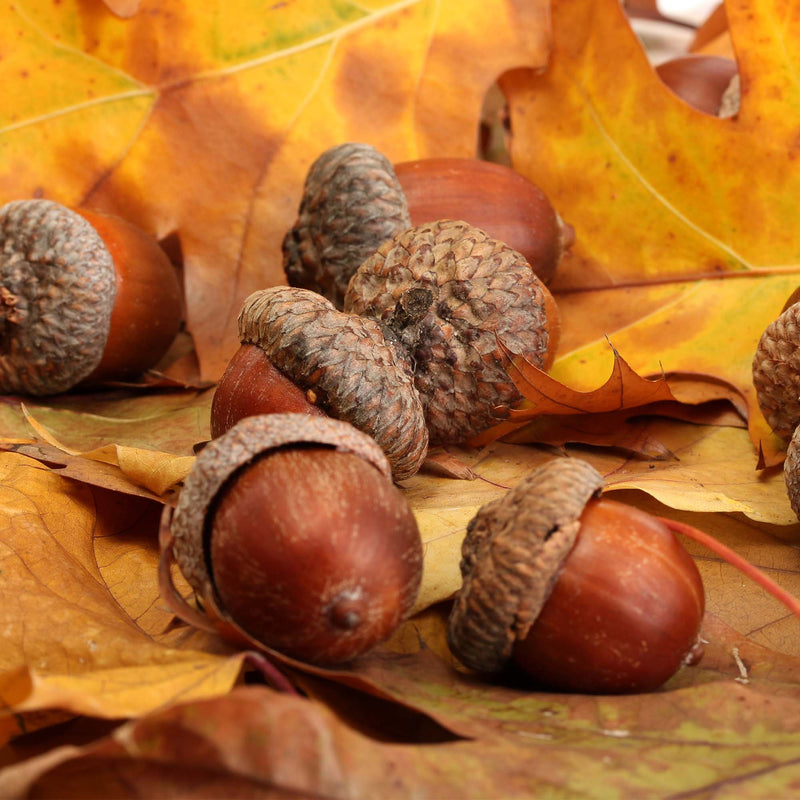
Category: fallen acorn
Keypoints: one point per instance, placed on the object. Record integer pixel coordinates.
(495, 198)
(85, 297)
(295, 539)
(702, 80)
(580, 593)
(354, 199)
(462, 305)
(300, 354)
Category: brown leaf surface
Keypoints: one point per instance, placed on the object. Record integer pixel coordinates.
(83, 627)
(523, 743)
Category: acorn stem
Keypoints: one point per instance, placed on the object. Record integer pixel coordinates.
(739, 562)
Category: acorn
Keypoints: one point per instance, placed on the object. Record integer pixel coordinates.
(573, 591)
(293, 536)
(354, 200)
(492, 197)
(85, 298)
(300, 354)
(701, 80)
(462, 305)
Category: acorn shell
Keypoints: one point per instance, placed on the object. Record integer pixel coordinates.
(511, 557)
(460, 302)
(57, 290)
(352, 202)
(216, 463)
(346, 364)
(776, 372)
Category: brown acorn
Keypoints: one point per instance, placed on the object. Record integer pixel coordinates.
(578, 593)
(301, 354)
(462, 304)
(701, 80)
(492, 197)
(85, 297)
(293, 536)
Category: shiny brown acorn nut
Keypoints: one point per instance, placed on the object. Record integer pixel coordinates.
(300, 354)
(700, 80)
(292, 534)
(492, 197)
(579, 593)
(85, 297)
(463, 305)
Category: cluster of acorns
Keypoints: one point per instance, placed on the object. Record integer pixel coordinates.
(395, 333)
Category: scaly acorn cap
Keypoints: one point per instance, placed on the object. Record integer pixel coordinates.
(250, 439)
(459, 301)
(57, 290)
(346, 364)
(776, 372)
(511, 558)
(791, 472)
(352, 202)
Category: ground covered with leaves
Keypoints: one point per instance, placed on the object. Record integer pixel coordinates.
(198, 124)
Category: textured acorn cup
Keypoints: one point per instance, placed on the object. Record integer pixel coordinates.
(311, 358)
(84, 297)
(492, 197)
(461, 303)
(701, 80)
(776, 372)
(581, 594)
(791, 471)
(290, 528)
(351, 203)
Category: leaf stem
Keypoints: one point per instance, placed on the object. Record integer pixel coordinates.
(737, 561)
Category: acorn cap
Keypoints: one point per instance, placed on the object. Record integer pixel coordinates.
(460, 302)
(511, 558)
(791, 472)
(346, 364)
(57, 289)
(776, 372)
(352, 202)
(249, 439)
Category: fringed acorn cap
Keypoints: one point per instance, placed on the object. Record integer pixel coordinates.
(511, 558)
(776, 372)
(57, 289)
(345, 364)
(249, 439)
(460, 302)
(352, 202)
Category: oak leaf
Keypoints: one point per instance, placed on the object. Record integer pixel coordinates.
(686, 247)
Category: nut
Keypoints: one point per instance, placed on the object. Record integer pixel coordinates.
(582, 594)
(776, 372)
(84, 297)
(289, 529)
(701, 80)
(352, 202)
(462, 304)
(326, 362)
(492, 197)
